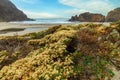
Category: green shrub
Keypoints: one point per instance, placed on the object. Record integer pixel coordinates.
(62, 53)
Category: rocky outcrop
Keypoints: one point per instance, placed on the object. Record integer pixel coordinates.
(9, 12)
(113, 15)
(88, 17)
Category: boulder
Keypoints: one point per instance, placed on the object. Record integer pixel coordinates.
(88, 17)
(9, 12)
(113, 15)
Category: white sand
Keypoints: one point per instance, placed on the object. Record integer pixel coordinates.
(29, 28)
(6, 25)
(38, 27)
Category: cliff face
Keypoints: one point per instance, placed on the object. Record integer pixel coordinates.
(9, 12)
(88, 17)
(113, 15)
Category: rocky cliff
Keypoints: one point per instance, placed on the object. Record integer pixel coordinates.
(88, 17)
(113, 15)
(9, 12)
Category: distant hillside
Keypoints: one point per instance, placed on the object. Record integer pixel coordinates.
(113, 15)
(9, 12)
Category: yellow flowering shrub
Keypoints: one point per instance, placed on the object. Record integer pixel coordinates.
(72, 52)
(3, 55)
(51, 61)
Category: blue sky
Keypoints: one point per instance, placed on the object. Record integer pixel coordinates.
(64, 8)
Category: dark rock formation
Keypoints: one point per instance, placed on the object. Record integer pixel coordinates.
(74, 18)
(113, 15)
(88, 17)
(9, 12)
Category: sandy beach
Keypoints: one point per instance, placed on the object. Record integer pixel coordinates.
(11, 29)
(6, 25)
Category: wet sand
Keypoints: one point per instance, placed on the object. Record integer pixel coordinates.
(11, 29)
(4, 31)
(6, 25)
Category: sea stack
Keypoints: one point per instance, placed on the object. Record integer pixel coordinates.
(113, 15)
(88, 17)
(9, 12)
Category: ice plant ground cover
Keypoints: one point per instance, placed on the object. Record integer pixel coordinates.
(72, 52)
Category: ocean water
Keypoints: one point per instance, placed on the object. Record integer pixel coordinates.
(46, 21)
(43, 24)
(54, 21)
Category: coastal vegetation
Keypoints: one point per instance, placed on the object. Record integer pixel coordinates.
(63, 52)
(11, 30)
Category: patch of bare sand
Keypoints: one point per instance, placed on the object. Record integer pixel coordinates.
(21, 29)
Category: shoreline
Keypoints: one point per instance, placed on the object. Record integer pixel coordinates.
(11, 29)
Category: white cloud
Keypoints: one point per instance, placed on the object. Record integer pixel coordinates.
(75, 11)
(31, 14)
(97, 6)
